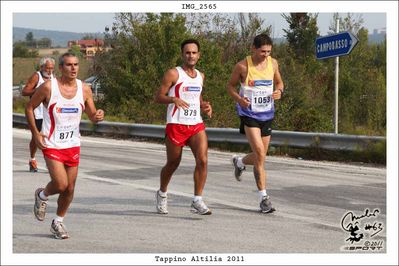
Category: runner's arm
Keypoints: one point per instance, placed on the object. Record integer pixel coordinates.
(206, 107)
(232, 86)
(29, 88)
(90, 109)
(41, 95)
(278, 82)
(169, 79)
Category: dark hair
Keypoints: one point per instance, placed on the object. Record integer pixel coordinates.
(262, 39)
(189, 41)
(67, 54)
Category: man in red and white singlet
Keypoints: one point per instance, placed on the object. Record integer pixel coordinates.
(181, 89)
(64, 100)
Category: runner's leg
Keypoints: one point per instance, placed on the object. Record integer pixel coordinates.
(199, 147)
(173, 154)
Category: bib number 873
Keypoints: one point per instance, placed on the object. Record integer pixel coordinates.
(188, 112)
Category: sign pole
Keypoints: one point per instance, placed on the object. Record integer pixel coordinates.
(336, 85)
(335, 45)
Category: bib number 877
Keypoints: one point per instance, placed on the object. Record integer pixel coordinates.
(65, 135)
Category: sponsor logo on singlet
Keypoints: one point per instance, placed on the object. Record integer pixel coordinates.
(260, 82)
(67, 110)
(191, 88)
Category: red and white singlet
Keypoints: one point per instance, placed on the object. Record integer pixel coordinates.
(189, 90)
(61, 118)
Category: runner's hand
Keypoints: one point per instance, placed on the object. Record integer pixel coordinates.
(277, 95)
(244, 102)
(99, 116)
(39, 140)
(180, 103)
(207, 109)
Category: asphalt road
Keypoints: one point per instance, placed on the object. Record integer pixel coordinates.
(113, 210)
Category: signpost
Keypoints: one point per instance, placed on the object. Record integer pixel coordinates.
(334, 46)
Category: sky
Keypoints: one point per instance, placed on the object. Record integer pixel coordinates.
(96, 22)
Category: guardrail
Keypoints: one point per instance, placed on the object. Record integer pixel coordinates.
(16, 90)
(290, 139)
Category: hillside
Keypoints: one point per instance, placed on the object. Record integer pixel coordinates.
(61, 38)
(58, 38)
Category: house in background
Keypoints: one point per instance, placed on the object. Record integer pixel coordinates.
(88, 47)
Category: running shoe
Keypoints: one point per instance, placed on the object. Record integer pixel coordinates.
(200, 208)
(33, 166)
(162, 202)
(237, 170)
(59, 230)
(39, 208)
(266, 205)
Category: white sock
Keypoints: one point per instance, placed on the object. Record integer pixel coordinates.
(32, 159)
(197, 198)
(163, 194)
(240, 163)
(261, 194)
(58, 219)
(42, 196)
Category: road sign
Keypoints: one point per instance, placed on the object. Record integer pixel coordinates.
(335, 45)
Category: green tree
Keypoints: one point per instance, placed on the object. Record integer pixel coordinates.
(362, 81)
(29, 37)
(88, 36)
(30, 41)
(307, 102)
(351, 22)
(301, 34)
(363, 89)
(20, 50)
(44, 43)
(146, 45)
(75, 49)
(250, 25)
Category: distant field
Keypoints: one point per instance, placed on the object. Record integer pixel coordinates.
(24, 67)
(51, 51)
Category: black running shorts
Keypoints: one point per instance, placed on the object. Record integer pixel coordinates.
(39, 123)
(265, 126)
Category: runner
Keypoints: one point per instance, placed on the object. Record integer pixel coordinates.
(181, 89)
(63, 100)
(37, 79)
(261, 84)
